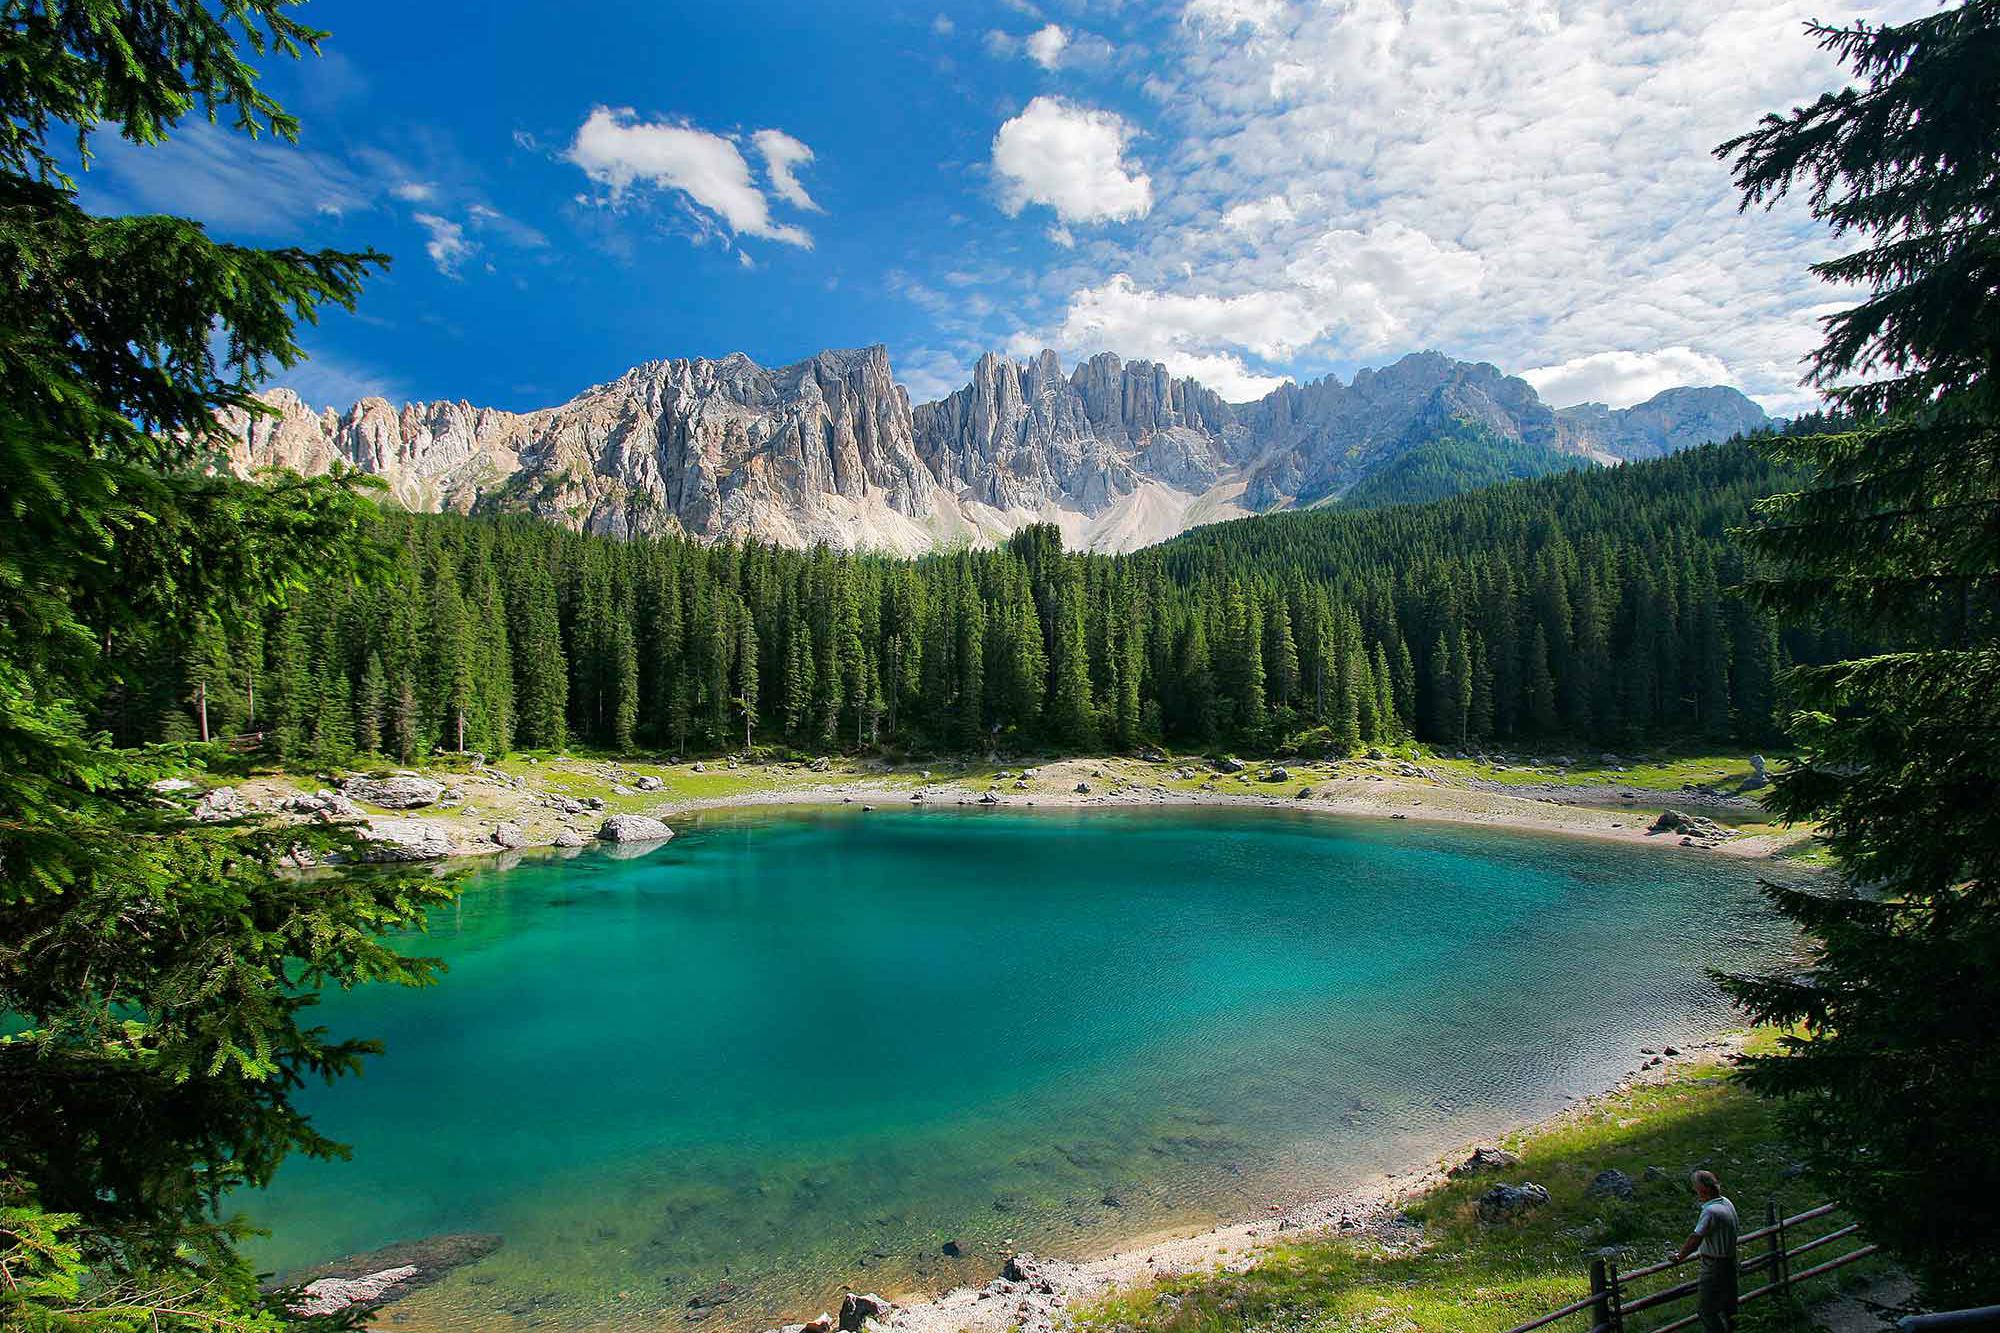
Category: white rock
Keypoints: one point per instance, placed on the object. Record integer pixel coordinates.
(633, 828)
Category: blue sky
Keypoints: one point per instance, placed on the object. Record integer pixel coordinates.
(1250, 190)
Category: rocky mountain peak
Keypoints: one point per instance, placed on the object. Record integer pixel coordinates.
(829, 448)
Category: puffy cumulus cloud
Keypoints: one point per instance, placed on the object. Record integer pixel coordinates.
(1528, 183)
(447, 246)
(1071, 158)
(706, 171)
(1046, 45)
(783, 156)
(1376, 283)
(1375, 290)
(1186, 331)
(1620, 379)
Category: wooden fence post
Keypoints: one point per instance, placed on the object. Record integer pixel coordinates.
(1600, 1287)
(1781, 1276)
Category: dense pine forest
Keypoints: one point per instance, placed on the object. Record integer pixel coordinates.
(1594, 607)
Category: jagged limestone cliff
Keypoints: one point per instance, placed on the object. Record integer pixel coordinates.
(1120, 454)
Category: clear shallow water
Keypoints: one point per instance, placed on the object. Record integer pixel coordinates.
(793, 1052)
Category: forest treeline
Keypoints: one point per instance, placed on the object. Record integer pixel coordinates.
(1595, 607)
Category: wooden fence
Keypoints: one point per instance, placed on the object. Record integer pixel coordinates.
(1612, 1299)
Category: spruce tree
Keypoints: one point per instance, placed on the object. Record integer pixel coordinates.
(154, 974)
(1890, 1059)
(747, 686)
(371, 706)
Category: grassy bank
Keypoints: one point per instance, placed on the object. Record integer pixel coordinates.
(1452, 1272)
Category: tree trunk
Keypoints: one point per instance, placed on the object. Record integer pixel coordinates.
(201, 703)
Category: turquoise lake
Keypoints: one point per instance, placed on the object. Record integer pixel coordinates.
(794, 1051)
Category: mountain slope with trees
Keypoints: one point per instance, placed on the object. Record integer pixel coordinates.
(1595, 607)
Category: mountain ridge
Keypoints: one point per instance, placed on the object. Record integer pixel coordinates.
(830, 448)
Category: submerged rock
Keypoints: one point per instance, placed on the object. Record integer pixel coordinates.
(331, 1295)
(368, 1280)
(633, 828)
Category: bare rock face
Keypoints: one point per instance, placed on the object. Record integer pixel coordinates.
(1022, 435)
(1669, 421)
(829, 449)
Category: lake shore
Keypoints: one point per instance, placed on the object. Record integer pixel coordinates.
(527, 803)
(1039, 1295)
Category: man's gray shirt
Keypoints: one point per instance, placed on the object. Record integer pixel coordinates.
(1717, 1228)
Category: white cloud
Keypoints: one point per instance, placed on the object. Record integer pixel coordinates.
(618, 151)
(930, 374)
(1528, 182)
(1224, 15)
(1258, 214)
(1071, 158)
(486, 218)
(326, 380)
(1185, 331)
(783, 156)
(447, 247)
(1045, 45)
(250, 187)
(942, 25)
(1620, 379)
(414, 192)
(1377, 283)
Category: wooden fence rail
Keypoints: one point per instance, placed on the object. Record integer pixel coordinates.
(1612, 1300)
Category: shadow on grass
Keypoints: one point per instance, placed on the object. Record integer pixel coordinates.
(1457, 1273)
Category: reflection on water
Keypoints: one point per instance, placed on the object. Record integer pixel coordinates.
(715, 1083)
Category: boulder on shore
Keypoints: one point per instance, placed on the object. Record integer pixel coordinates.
(509, 835)
(649, 782)
(1504, 1202)
(400, 792)
(856, 1308)
(633, 828)
(1691, 826)
(1483, 1159)
(406, 840)
(1612, 1184)
(569, 837)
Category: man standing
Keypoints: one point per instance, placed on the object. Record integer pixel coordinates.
(1715, 1236)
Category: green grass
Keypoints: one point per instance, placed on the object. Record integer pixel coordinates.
(1650, 773)
(1457, 1273)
